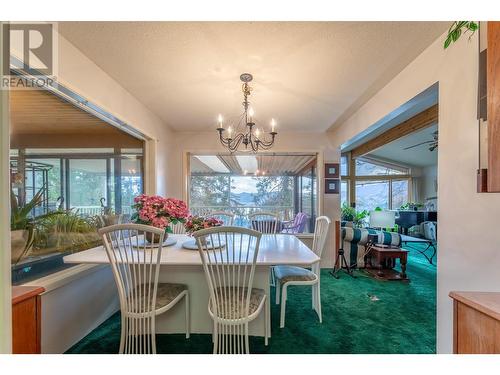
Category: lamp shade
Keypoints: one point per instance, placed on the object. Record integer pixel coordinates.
(382, 219)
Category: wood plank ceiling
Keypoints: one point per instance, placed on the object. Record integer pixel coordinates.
(41, 112)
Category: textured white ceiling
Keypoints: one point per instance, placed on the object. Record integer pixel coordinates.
(307, 75)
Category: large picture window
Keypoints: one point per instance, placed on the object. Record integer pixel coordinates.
(368, 183)
(283, 184)
(71, 173)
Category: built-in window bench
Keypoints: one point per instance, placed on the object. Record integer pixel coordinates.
(76, 300)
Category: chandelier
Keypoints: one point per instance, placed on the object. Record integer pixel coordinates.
(245, 131)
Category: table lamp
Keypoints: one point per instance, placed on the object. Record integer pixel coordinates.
(382, 219)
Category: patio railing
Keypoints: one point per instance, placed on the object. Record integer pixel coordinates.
(242, 212)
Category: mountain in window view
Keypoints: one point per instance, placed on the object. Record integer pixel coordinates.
(243, 199)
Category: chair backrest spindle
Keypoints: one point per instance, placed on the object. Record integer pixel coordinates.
(264, 222)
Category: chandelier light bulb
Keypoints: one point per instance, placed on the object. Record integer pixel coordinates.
(257, 132)
(273, 125)
(251, 113)
(219, 120)
(229, 131)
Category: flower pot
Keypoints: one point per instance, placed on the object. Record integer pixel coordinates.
(154, 238)
(18, 242)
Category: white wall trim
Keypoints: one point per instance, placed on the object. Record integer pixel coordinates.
(5, 261)
(64, 277)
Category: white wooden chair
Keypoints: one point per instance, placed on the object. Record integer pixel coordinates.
(178, 228)
(229, 255)
(136, 265)
(226, 217)
(264, 222)
(291, 275)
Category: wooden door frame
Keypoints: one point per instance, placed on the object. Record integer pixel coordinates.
(5, 253)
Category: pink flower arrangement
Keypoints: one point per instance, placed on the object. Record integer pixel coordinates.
(158, 211)
(195, 223)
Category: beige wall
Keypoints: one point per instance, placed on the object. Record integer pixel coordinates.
(80, 74)
(469, 253)
(296, 142)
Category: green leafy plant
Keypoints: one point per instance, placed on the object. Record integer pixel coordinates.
(349, 213)
(65, 230)
(20, 214)
(457, 29)
(20, 218)
(411, 206)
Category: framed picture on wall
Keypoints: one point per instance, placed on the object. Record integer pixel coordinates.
(332, 170)
(332, 185)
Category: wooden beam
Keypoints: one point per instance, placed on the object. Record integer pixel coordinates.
(493, 67)
(420, 121)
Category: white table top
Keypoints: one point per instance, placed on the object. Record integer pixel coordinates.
(274, 249)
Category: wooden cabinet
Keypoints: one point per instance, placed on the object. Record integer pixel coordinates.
(26, 319)
(476, 322)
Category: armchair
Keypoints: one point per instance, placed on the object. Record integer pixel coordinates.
(297, 225)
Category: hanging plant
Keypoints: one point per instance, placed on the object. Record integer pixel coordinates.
(457, 29)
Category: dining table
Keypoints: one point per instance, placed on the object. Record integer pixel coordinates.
(184, 266)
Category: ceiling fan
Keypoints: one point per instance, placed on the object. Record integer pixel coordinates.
(433, 144)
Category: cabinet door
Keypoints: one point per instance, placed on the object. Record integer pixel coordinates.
(25, 327)
(477, 333)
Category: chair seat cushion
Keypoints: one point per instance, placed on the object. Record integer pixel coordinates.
(230, 304)
(167, 293)
(292, 273)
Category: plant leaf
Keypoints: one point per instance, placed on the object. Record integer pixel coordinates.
(447, 42)
(473, 26)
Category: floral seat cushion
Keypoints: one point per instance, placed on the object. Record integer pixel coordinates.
(165, 294)
(232, 302)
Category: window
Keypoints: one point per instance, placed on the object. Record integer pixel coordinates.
(83, 172)
(284, 184)
(77, 187)
(376, 183)
(399, 193)
(344, 165)
(372, 194)
(344, 193)
(369, 167)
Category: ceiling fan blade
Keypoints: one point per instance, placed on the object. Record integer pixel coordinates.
(418, 144)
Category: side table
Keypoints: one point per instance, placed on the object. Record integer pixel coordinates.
(385, 258)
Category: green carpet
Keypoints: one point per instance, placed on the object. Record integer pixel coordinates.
(402, 320)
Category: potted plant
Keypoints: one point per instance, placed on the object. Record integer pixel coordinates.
(196, 223)
(159, 212)
(21, 225)
(350, 215)
(410, 206)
